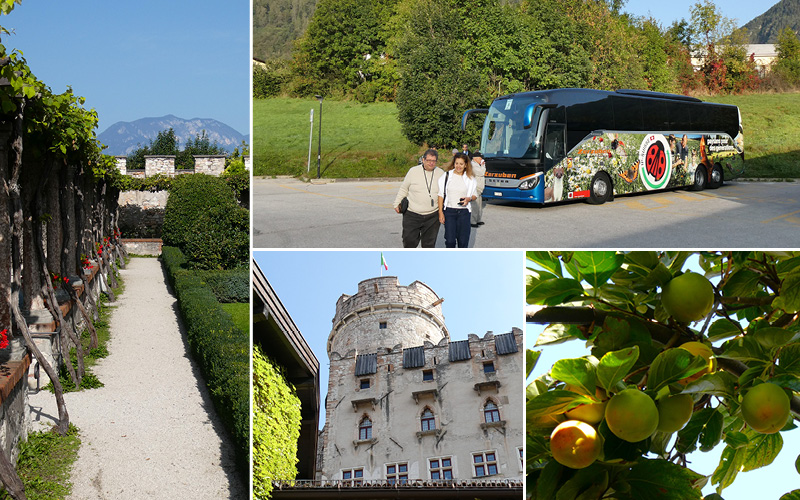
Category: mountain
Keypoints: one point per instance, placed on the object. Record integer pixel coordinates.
(766, 27)
(124, 137)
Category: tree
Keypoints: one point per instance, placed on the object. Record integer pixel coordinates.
(613, 302)
(788, 63)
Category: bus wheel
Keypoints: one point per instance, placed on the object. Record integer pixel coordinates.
(717, 177)
(600, 190)
(699, 178)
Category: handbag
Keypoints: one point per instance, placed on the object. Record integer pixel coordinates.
(403, 205)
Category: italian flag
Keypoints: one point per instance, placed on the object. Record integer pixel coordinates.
(383, 263)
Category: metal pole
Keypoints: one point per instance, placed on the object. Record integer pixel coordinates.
(319, 141)
(310, 139)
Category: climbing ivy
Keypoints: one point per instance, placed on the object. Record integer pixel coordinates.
(276, 425)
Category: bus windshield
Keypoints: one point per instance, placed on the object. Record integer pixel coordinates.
(504, 134)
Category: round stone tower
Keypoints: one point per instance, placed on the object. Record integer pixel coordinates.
(383, 314)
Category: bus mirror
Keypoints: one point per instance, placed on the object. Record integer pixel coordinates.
(528, 119)
(470, 112)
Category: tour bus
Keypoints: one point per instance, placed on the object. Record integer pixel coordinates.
(564, 144)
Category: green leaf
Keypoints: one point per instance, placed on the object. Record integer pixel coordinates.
(557, 333)
(531, 357)
(549, 480)
(546, 261)
(614, 366)
(705, 426)
(797, 464)
(722, 329)
(713, 496)
(730, 462)
(663, 480)
(787, 381)
(577, 372)
(597, 267)
(789, 359)
(736, 439)
(554, 402)
(587, 483)
(761, 450)
(720, 383)
(673, 365)
(771, 337)
(744, 349)
(792, 495)
(742, 283)
(554, 292)
(790, 292)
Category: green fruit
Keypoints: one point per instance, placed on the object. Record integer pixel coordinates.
(687, 298)
(765, 408)
(575, 444)
(632, 415)
(591, 413)
(674, 412)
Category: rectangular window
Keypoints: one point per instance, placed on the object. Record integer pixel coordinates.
(521, 459)
(365, 383)
(382, 325)
(427, 375)
(488, 367)
(397, 473)
(484, 464)
(441, 468)
(352, 476)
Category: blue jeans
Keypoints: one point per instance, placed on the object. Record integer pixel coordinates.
(456, 227)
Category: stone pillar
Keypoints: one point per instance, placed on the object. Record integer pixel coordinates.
(161, 164)
(122, 164)
(247, 163)
(209, 164)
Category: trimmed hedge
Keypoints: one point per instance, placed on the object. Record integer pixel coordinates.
(219, 347)
(220, 239)
(229, 286)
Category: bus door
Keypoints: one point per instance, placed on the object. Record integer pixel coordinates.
(554, 147)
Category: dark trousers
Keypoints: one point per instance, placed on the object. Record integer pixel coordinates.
(418, 228)
(456, 227)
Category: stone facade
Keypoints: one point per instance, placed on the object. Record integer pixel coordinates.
(141, 213)
(164, 165)
(247, 162)
(122, 164)
(209, 164)
(406, 403)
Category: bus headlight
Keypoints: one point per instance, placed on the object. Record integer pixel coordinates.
(529, 183)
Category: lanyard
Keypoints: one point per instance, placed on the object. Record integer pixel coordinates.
(428, 185)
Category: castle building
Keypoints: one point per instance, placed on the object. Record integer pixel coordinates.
(406, 404)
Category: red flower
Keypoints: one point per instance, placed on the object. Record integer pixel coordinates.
(4, 339)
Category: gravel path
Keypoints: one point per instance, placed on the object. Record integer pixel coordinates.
(151, 432)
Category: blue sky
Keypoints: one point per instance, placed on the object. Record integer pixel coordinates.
(666, 12)
(309, 283)
(768, 483)
(141, 59)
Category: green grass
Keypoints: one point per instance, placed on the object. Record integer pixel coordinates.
(240, 314)
(365, 140)
(44, 465)
(358, 140)
(771, 132)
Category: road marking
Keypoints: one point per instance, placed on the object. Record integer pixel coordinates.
(788, 217)
(336, 197)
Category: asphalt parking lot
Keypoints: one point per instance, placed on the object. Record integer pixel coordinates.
(288, 213)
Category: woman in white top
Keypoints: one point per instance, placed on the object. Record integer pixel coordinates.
(457, 188)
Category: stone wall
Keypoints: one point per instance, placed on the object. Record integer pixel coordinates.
(164, 165)
(248, 164)
(143, 246)
(209, 164)
(14, 409)
(141, 213)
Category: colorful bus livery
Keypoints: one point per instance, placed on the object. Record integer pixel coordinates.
(556, 145)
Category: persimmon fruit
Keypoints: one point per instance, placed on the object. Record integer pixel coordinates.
(632, 415)
(674, 412)
(699, 349)
(765, 408)
(575, 444)
(688, 297)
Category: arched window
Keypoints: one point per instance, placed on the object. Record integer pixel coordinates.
(365, 429)
(428, 420)
(490, 412)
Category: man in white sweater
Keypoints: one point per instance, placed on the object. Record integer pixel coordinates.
(421, 187)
